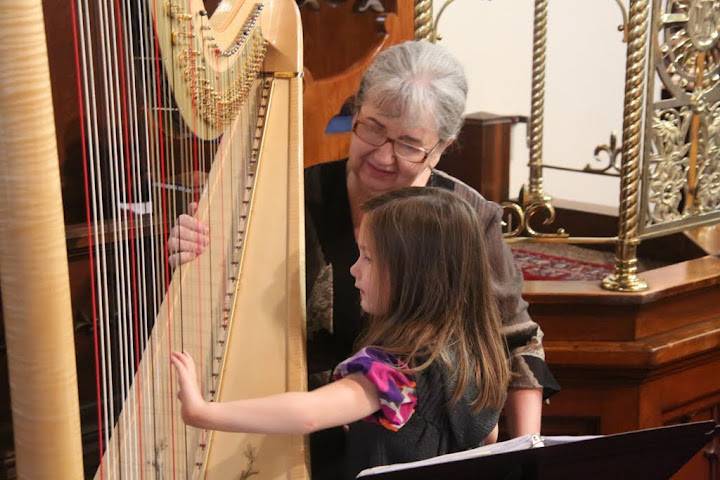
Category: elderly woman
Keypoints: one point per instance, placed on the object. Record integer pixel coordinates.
(408, 110)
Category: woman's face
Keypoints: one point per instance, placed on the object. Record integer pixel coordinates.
(368, 275)
(378, 169)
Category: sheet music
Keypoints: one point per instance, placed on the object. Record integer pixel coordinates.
(515, 444)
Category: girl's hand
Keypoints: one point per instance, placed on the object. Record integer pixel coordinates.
(189, 392)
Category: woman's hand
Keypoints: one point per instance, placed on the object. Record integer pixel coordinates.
(187, 239)
(189, 394)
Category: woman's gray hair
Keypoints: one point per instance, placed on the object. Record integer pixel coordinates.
(414, 79)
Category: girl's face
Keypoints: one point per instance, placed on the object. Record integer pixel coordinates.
(368, 275)
(378, 169)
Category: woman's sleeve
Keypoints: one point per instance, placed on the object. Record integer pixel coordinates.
(396, 390)
(523, 335)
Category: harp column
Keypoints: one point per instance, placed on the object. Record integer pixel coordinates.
(37, 314)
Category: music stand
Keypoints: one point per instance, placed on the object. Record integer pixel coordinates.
(651, 454)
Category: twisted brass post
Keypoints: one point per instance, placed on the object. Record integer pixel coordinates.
(625, 278)
(423, 20)
(535, 192)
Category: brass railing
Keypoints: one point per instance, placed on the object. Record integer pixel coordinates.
(425, 27)
(670, 152)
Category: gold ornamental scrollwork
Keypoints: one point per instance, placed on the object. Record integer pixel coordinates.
(623, 27)
(612, 151)
(519, 220)
(611, 167)
(436, 32)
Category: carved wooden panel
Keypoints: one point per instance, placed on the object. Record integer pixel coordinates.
(706, 464)
(634, 361)
(341, 37)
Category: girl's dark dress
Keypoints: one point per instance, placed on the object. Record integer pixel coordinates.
(416, 420)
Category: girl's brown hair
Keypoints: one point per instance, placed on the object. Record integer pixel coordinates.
(429, 246)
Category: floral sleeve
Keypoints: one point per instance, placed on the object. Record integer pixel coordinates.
(396, 390)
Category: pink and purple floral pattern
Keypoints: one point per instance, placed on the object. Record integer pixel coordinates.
(396, 390)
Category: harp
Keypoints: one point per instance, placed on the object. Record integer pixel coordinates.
(176, 106)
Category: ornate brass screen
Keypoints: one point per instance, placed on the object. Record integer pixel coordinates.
(670, 164)
(681, 168)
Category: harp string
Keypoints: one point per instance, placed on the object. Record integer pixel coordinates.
(115, 92)
(120, 234)
(145, 68)
(84, 153)
(131, 203)
(133, 199)
(222, 294)
(107, 162)
(182, 178)
(157, 231)
(96, 190)
(140, 324)
(161, 136)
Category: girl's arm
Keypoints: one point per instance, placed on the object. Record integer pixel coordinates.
(523, 410)
(492, 436)
(339, 403)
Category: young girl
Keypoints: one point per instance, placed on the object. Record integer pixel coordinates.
(431, 373)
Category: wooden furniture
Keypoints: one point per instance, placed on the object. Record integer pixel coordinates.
(340, 42)
(638, 360)
(481, 155)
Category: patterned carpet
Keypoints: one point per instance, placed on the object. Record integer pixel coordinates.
(562, 262)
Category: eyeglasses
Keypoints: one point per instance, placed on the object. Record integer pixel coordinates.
(377, 137)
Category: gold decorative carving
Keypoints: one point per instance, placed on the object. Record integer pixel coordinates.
(703, 23)
(688, 28)
(668, 164)
(708, 182)
(375, 5)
